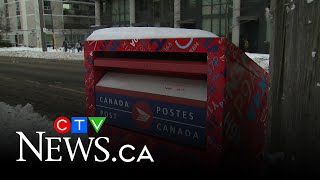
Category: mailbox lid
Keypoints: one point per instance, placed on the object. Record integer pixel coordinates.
(118, 33)
(161, 85)
(170, 108)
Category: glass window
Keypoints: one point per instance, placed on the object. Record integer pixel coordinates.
(47, 7)
(224, 6)
(206, 24)
(127, 9)
(223, 27)
(76, 6)
(48, 21)
(78, 9)
(156, 10)
(66, 6)
(120, 12)
(192, 3)
(18, 22)
(121, 6)
(115, 17)
(216, 5)
(216, 2)
(216, 26)
(122, 17)
(214, 16)
(73, 22)
(206, 10)
(115, 7)
(17, 8)
(206, 2)
(46, 3)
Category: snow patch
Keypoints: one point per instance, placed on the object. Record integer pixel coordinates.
(147, 33)
(261, 59)
(24, 119)
(27, 52)
(256, 56)
(20, 118)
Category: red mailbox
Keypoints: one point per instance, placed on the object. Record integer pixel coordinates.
(188, 95)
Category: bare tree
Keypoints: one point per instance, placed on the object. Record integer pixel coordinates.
(4, 23)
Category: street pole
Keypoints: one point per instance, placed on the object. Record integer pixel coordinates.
(176, 13)
(52, 28)
(43, 38)
(235, 22)
(227, 20)
(295, 82)
(97, 13)
(132, 11)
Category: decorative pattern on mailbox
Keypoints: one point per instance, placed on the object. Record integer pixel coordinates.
(231, 118)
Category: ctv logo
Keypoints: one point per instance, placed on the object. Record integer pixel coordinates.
(78, 124)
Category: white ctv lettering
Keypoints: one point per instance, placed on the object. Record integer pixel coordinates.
(113, 101)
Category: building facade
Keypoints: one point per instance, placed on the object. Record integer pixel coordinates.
(242, 21)
(63, 19)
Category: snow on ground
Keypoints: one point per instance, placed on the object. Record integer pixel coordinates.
(37, 53)
(261, 59)
(20, 118)
(258, 56)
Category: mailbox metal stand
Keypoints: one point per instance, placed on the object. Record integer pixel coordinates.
(237, 91)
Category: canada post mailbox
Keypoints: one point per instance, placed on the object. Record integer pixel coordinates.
(187, 95)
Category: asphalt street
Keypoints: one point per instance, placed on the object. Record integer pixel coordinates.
(53, 87)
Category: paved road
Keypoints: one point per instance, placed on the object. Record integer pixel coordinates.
(53, 87)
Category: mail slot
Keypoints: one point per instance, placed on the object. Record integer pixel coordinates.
(188, 95)
(169, 108)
